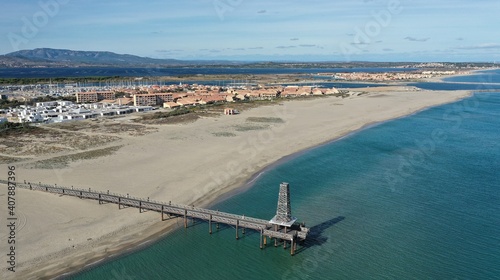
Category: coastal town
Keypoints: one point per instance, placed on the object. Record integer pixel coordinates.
(69, 102)
(392, 76)
(92, 103)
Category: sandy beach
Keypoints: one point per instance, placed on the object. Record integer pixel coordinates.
(190, 163)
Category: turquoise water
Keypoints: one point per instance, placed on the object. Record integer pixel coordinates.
(484, 80)
(412, 198)
(53, 72)
(490, 76)
(456, 86)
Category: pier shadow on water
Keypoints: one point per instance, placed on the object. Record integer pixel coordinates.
(316, 237)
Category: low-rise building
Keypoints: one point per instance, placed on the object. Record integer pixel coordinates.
(46, 104)
(230, 111)
(142, 108)
(144, 99)
(152, 99)
(91, 97)
(171, 105)
(187, 101)
(317, 91)
(86, 97)
(269, 94)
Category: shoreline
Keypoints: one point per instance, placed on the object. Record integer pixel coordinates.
(246, 185)
(116, 253)
(241, 184)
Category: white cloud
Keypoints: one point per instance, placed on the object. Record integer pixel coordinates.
(493, 46)
(413, 39)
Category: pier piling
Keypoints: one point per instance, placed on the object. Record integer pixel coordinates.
(185, 219)
(261, 233)
(210, 224)
(237, 222)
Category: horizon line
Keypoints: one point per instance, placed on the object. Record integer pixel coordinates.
(239, 60)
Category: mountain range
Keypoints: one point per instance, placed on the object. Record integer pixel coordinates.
(46, 57)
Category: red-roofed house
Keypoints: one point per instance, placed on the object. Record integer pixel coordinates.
(187, 101)
(171, 105)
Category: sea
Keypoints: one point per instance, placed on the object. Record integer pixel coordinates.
(53, 72)
(133, 76)
(411, 198)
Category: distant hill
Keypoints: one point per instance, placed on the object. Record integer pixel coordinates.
(45, 57)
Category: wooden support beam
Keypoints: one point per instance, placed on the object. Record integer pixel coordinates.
(162, 213)
(237, 222)
(292, 249)
(284, 240)
(210, 224)
(261, 233)
(185, 219)
(275, 239)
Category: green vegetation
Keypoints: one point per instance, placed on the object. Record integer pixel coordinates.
(265, 120)
(224, 134)
(64, 161)
(341, 94)
(10, 128)
(5, 104)
(248, 127)
(162, 115)
(8, 160)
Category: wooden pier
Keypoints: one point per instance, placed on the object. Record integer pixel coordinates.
(292, 233)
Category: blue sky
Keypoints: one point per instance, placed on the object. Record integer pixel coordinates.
(348, 30)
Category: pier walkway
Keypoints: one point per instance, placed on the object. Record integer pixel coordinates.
(291, 232)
